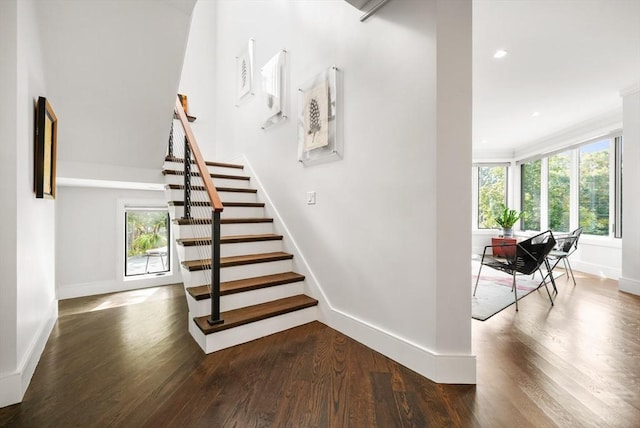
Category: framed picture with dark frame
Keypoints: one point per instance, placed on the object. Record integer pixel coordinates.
(44, 171)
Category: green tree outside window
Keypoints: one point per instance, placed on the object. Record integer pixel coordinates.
(559, 192)
(531, 191)
(492, 191)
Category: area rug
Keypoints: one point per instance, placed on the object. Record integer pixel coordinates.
(494, 291)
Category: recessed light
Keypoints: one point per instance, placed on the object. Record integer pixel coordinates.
(483, 142)
(535, 114)
(500, 54)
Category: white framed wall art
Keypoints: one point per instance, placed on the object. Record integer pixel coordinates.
(318, 119)
(274, 88)
(244, 73)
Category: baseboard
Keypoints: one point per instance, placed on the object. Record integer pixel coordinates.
(14, 385)
(629, 285)
(72, 291)
(594, 269)
(441, 368)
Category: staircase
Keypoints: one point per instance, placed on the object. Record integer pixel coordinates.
(260, 294)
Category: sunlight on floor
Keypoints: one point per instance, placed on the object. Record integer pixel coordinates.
(118, 299)
(129, 298)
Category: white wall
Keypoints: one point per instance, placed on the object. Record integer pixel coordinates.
(369, 240)
(90, 241)
(630, 280)
(199, 76)
(8, 258)
(453, 174)
(28, 280)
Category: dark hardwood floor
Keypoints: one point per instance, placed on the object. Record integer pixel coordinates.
(127, 360)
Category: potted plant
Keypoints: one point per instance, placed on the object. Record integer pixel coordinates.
(506, 219)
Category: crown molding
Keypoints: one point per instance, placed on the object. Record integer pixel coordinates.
(630, 89)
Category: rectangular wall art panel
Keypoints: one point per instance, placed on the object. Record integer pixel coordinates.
(244, 73)
(274, 88)
(317, 119)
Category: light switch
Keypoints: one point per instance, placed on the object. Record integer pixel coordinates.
(311, 198)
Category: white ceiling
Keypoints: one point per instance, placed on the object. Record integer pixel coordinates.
(112, 72)
(567, 60)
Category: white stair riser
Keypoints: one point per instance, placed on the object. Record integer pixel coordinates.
(246, 333)
(202, 277)
(200, 252)
(218, 182)
(228, 212)
(199, 308)
(212, 169)
(201, 195)
(197, 231)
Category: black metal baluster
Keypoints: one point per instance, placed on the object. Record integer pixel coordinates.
(187, 180)
(215, 269)
(170, 149)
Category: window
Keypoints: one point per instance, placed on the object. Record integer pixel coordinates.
(146, 239)
(531, 192)
(492, 194)
(594, 188)
(559, 192)
(580, 186)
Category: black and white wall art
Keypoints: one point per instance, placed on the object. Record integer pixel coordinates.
(317, 119)
(244, 73)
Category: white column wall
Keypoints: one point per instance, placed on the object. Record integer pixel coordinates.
(371, 240)
(453, 177)
(630, 279)
(8, 167)
(29, 281)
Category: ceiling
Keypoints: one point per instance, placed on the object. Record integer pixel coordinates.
(113, 68)
(568, 60)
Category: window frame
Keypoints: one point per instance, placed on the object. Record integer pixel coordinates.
(145, 280)
(615, 183)
(476, 189)
(132, 209)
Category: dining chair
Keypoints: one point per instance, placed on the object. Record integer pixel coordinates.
(526, 259)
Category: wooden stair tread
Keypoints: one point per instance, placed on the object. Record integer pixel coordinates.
(229, 239)
(249, 314)
(238, 286)
(226, 204)
(208, 163)
(194, 265)
(188, 221)
(213, 175)
(219, 189)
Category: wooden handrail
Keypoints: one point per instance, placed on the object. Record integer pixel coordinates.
(197, 155)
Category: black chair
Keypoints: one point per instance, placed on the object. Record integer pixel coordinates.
(566, 245)
(524, 258)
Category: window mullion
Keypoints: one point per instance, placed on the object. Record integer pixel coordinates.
(544, 194)
(574, 189)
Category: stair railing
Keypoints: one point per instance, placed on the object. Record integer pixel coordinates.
(190, 150)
